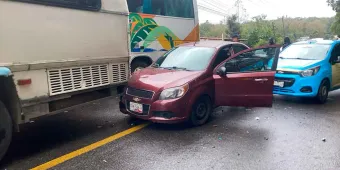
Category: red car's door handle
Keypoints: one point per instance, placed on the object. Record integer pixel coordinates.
(264, 79)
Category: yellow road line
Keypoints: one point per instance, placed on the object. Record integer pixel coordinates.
(88, 148)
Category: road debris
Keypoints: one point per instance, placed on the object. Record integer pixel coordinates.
(323, 139)
(219, 138)
(265, 138)
(257, 118)
(214, 125)
(99, 126)
(104, 161)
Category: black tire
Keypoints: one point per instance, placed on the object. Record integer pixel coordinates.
(201, 111)
(138, 64)
(5, 130)
(323, 91)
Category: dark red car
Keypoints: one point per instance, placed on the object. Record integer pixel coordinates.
(189, 81)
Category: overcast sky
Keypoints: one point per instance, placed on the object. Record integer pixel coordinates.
(272, 8)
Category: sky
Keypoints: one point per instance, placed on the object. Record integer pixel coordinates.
(272, 8)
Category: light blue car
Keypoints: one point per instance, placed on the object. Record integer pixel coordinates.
(309, 69)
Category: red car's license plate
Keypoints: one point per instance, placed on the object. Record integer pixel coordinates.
(136, 107)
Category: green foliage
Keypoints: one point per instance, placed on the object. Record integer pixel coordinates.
(259, 30)
(212, 30)
(335, 4)
(233, 26)
(335, 27)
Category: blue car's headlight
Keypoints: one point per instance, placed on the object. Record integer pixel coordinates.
(310, 72)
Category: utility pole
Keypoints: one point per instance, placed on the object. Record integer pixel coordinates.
(238, 9)
(283, 25)
(274, 30)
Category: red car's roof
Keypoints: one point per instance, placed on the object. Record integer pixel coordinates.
(210, 43)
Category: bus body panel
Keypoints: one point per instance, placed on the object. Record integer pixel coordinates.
(59, 34)
(62, 54)
(153, 33)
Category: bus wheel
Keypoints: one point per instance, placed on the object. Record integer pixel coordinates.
(5, 130)
(138, 65)
(322, 95)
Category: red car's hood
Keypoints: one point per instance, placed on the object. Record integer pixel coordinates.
(156, 78)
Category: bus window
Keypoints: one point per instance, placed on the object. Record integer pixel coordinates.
(78, 4)
(135, 6)
(186, 9)
(163, 7)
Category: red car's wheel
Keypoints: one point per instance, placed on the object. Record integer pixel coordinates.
(201, 111)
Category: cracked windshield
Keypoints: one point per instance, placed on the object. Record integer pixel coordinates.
(169, 84)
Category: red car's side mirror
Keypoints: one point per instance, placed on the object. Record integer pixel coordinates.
(222, 71)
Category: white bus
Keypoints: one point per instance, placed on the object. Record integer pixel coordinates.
(158, 25)
(55, 54)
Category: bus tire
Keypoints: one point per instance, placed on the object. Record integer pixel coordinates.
(138, 65)
(6, 129)
(323, 91)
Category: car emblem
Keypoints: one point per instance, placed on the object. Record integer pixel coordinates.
(136, 99)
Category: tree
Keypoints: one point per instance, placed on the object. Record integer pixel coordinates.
(259, 29)
(233, 27)
(335, 4)
(212, 30)
(205, 29)
(335, 28)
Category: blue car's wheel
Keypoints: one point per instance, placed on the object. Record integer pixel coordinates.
(322, 95)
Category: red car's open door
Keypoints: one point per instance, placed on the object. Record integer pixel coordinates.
(247, 78)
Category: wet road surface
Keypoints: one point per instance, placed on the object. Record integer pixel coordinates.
(287, 136)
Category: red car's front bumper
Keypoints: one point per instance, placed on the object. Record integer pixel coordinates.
(159, 111)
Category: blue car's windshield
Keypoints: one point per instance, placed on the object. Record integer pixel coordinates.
(186, 58)
(305, 51)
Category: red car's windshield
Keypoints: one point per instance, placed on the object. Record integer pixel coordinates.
(186, 58)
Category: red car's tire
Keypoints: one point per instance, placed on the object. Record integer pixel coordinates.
(201, 111)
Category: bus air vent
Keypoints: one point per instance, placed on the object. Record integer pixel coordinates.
(72, 79)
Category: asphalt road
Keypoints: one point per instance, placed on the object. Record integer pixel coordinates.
(287, 136)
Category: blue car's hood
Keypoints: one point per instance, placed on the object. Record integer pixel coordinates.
(295, 64)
